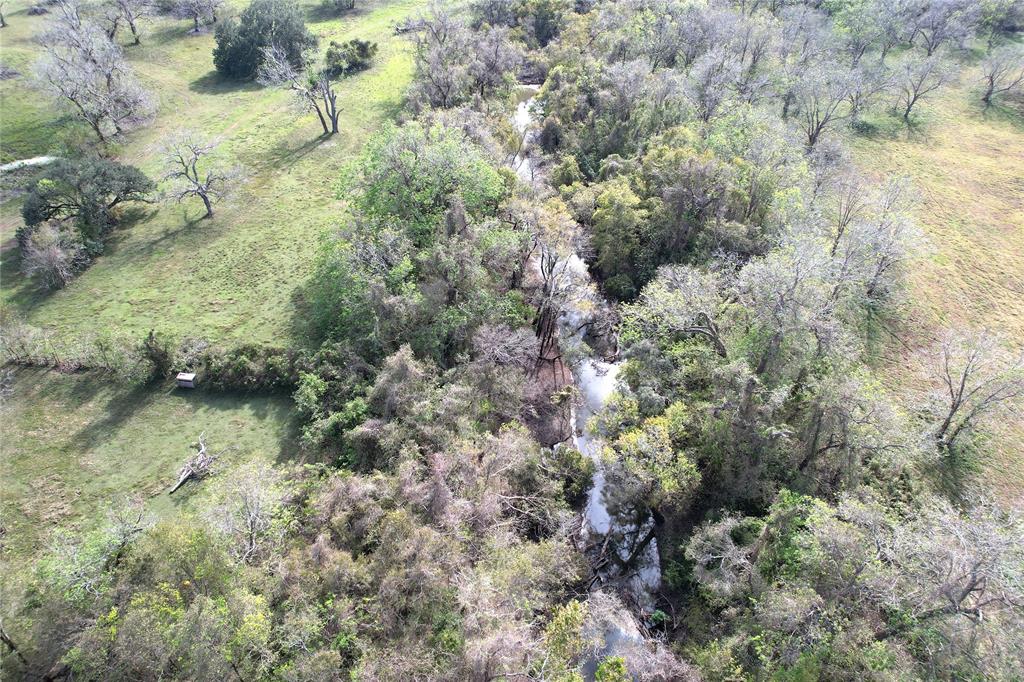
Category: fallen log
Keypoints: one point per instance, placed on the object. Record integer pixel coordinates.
(5, 639)
(196, 466)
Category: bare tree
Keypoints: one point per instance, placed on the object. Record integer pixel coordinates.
(894, 21)
(52, 255)
(978, 377)
(845, 203)
(556, 237)
(503, 346)
(312, 91)
(130, 12)
(84, 68)
(822, 97)
(720, 565)
(495, 56)
(109, 16)
(787, 294)
(871, 236)
(711, 78)
(961, 576)
(1003, 71)
(184, 154)
(199, 11)
(917, 77)
(805, 41)
(945, 21)
(442, 69)
(870, 85)
(888, 238)
(248, 502)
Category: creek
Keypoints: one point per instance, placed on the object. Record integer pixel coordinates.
(637, 567)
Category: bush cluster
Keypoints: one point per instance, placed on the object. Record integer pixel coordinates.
(263, 24)
(69, 209)
(346, 58)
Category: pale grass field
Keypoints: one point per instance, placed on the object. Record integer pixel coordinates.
(967, 166)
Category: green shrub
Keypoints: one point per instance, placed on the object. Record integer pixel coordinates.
(612, 669)
(253, 368)
(239, 50)
(566, 172)
(345, 58)
(84, 191)
(408, 176)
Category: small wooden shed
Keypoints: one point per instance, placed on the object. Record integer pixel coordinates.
(186, 380)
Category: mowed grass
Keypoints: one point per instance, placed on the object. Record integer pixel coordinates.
(233, 278)
(967, 165)
(73, 445)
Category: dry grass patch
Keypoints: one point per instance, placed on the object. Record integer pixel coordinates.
(968, 167)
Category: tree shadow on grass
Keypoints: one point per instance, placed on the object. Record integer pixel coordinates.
(275, 406)
(191, 219)
(391, 110)
(289, 448)
(122, 405)
(208, 407)
(323, 13)
(956, 475)
(301, 327)
(25, 293)
(1009, 110)
(171, 32)
(214, 84)
(130, 217)
(283, 154)
(888, 126)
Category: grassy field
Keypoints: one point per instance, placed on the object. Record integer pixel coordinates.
(73, 445)
(967, 165)
(234, 277)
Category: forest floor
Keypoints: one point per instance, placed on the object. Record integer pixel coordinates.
(238, 276)
(71, 444)
(967, 167)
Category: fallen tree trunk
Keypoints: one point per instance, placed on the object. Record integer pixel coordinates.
(10, 645)
(196, 466)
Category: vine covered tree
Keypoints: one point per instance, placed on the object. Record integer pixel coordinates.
(86, 192)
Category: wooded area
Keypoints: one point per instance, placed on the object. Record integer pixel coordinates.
(588, 383)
